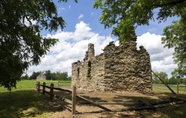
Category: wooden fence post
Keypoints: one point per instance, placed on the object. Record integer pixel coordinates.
(38, 86)
(51, 91)
(74, 100)
(177, 88)
(44, 84)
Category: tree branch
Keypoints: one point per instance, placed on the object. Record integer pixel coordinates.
(170, 3)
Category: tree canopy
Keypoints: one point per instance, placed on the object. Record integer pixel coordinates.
(124, 16)
(49, 75)
(162, 75)
(21, 42)
(174, 37)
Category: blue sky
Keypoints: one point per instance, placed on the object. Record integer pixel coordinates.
(83, 27)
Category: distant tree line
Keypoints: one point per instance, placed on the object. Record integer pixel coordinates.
(49, 75)
(172, 80)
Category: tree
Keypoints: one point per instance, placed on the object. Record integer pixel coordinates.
(61, 75)
(155, 80)
(34, 75)
(56, 75)
(64, 76)
(173, 80)
(21, 42)
(184, 81)
(25, 77)
(174, 37)
(162, 75)
(178, 75)
(48, 75)
(69, 78)
(124, 16)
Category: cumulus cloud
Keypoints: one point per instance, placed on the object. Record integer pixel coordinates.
(82, 31)
(72, 46)
(161, 58)
(80, 16)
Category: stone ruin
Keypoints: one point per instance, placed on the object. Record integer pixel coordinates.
(41, 76)
(118, 68)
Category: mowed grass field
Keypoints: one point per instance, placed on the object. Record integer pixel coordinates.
(25, 102)
(162, 88)
(31, 84)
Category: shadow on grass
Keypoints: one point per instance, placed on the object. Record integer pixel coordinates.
(25, 103)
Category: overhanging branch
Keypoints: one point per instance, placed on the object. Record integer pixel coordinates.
(171, 3)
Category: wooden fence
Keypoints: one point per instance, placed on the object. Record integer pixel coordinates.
(72, 101)
(42, 88)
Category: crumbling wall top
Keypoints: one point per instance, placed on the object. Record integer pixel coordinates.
(89, 54)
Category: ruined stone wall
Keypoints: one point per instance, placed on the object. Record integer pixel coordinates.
(117, 68)
(88, 73)
(127, 68)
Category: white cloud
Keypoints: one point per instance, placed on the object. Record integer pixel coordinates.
(80, 16)
(161, 58)
(83, 31)
(92, 13)
(69, 6)
(72, 46)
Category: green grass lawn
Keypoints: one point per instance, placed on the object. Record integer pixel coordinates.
(24, 101)
(163, 88)
(31, 84)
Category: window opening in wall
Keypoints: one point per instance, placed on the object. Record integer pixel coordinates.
(78, 73)
(89, 69)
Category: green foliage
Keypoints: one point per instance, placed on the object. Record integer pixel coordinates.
(25, 77)
(125, 15)
(174, 37)
(69, 78)
(56, 75)
(52, 75)
(21, 42)
(34, 75)
(48, 75)
(155, 79)
(162, 75)
(173, 80)
(184, 81)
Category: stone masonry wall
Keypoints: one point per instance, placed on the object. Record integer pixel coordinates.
(122, 68)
